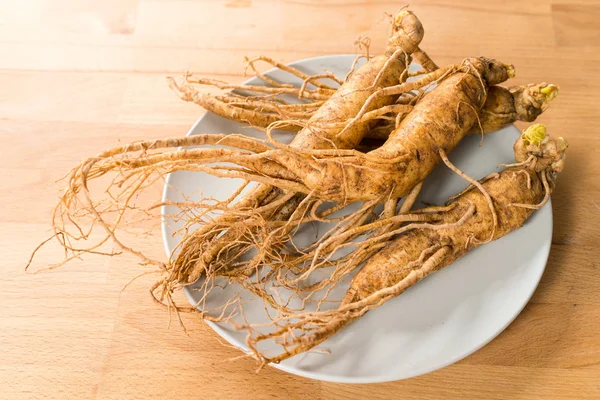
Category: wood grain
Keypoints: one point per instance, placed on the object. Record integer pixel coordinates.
(78, 76)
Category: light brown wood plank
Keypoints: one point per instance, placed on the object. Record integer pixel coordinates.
(476, 381)
(575, 25)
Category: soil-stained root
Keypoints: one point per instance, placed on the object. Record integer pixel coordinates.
(423, 248)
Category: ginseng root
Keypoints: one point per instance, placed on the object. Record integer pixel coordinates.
(502, 107)
(422, 249)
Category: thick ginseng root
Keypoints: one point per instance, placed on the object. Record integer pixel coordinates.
(424, 249)
(439, 120)
(502, 107)
(494, 74)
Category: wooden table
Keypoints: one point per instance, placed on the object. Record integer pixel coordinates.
(78, 76)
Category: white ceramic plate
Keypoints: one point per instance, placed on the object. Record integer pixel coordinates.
(443, 319)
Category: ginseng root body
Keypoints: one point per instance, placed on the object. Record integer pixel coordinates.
(502, 107)
(485, 211)
(510, 187)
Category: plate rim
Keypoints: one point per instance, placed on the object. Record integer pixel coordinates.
(545, 251)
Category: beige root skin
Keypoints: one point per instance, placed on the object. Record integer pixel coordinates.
(421, 251)
(508, 188)
(493, 71)
(397, 90)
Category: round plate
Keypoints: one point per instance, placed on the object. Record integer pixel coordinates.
(437, 322)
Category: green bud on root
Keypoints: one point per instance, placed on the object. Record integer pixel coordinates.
(551, 91)
(535, 134)
(510, 69)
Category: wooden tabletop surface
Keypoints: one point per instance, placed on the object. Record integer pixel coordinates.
(79, 75)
